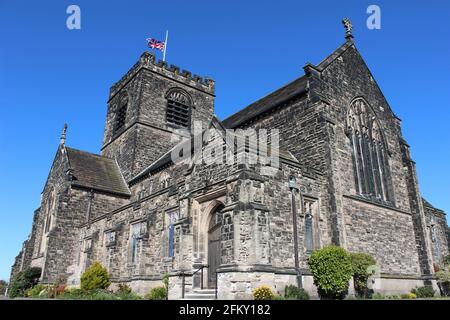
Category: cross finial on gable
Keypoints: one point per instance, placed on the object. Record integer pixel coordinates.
(348, 28)
(63, 134)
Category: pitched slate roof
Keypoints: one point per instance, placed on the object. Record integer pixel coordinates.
(96, 172)
(281, 95)
(267, 103)
(429, 205)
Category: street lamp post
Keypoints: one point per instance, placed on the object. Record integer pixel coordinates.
(293, 186)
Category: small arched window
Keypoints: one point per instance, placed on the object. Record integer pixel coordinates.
(179, 105)
(369, 151)
(121, 113)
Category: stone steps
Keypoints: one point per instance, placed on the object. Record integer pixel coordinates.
(200, 294)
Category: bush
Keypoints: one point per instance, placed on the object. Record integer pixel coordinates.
(72, 294)
(97, 294)
(38, 291)
(446, 261)
(331, 267)
(443, 279)
(124, 289)
(56, 290)
(424, 292)
(360, 263)
(409, 295)
(128, 296)
(263, 293)
(100, 294)
(95, 277)
(377, 296)
(23, 281)
(295, 293)
(157, 293)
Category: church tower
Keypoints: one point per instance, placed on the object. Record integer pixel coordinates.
(147, 106)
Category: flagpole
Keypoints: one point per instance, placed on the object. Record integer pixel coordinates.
(165, 45)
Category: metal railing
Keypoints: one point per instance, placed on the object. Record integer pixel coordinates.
(183, 279)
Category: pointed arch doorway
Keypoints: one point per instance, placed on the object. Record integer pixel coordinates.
(214, 251)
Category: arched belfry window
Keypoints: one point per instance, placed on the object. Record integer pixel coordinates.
(369, 151)
(179, 105)
(121, 113)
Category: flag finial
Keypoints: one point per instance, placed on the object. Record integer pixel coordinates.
(348, 28)
(63, 135)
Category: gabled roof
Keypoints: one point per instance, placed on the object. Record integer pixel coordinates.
(429, 205)
(267, 103)
(334, 55)
(96, 172)
(285, 93)
(166, 159)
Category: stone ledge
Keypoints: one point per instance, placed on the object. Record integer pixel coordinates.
(375, 203)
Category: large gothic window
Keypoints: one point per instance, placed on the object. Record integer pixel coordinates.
(178, 108)
(369, 151)
(121, 113)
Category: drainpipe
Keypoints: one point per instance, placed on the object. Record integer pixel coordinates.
(293, 186)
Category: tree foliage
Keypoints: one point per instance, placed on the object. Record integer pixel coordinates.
(23, 281)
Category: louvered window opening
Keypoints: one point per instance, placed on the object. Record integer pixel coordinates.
(178, 113)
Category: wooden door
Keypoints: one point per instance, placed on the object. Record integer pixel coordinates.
(214, 248)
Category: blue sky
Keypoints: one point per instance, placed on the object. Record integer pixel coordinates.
(50, 75)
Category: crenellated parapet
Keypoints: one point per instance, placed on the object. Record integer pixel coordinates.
(149, 62)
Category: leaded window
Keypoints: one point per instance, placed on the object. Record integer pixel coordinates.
(311, 234)
(178, 108)
(136, 237)
(369, 151)
(173, 218)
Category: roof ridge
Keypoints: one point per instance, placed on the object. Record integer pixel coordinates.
(322, 65)
(90, 153)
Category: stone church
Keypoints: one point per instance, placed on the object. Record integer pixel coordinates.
(345, 176)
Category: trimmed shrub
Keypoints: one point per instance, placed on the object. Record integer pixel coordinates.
(424, 292)
(331, 267)
(443, 279)
(23, 281)
(95, 277)
(263, 293)
(157, 293)
(360, 263)
(295, 293)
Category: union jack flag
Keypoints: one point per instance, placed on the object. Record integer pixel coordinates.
(155, 44)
